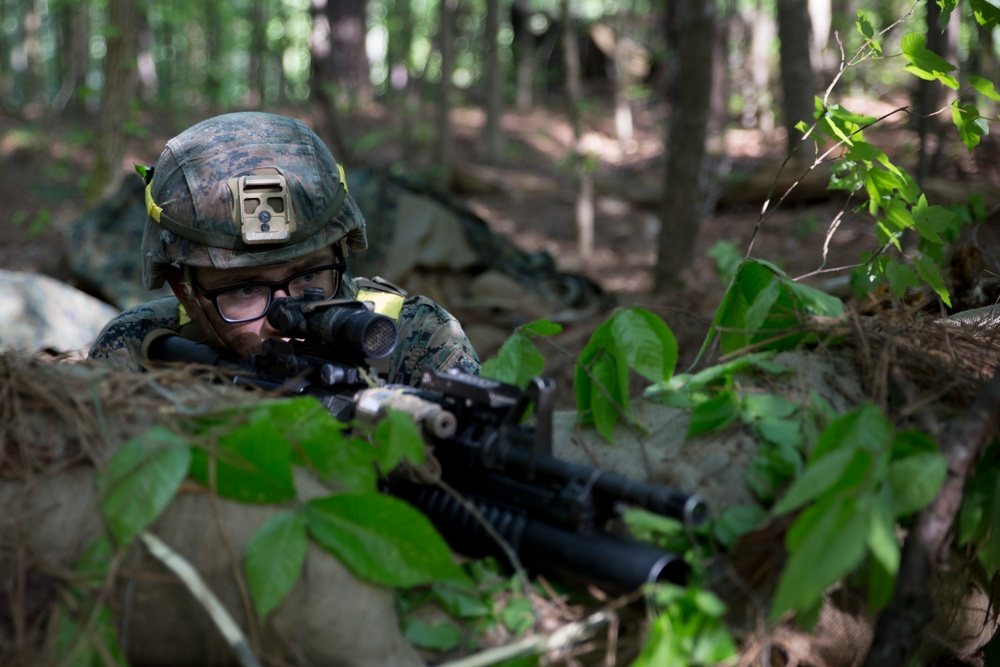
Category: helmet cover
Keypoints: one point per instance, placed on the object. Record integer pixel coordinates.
(196, 216)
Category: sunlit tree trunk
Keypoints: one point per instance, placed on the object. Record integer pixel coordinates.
(692, 86)
(798, 83)
(583, 176)
(116, 100)
(494, 83)
(74, 29)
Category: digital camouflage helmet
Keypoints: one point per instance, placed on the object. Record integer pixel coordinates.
(245, 189)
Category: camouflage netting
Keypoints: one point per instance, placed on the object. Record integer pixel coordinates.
(58, 421)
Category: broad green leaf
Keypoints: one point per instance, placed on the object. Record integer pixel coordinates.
(604, 397)
(822, 475)
(915, 481)
(518, 360)
(901, 278)
(91, 644)
(986, 13)
(834, 545)
(867, 31)
(924, 63)
(971, 126)
(714, 414)
(381, 539)
(763, 406)
(727, 259)
(398, 438)
(252, 463)
(882, 537)
(786, 432)
(273, 560)
(863, 427)
(141, 480)
(737, 521)
(984, 87)
(518, 616)
(930, 272)
(438, 637)
(647, 343)
(460, 599)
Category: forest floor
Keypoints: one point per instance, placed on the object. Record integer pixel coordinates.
(43, 162)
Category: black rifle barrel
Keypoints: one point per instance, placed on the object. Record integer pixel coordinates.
(614, 564)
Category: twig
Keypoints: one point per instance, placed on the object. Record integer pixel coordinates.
(203, 594)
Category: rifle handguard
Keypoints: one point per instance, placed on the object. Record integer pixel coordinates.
(429, 416)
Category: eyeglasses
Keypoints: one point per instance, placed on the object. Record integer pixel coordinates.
(247, 302)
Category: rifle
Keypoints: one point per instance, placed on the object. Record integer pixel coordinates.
(553, 514)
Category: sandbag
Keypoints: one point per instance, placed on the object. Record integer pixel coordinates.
(61, 423)
(39, 312)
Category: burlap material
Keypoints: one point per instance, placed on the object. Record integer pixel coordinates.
(61, 422)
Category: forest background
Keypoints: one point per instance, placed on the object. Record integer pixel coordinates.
(579, 128)
(627, 139)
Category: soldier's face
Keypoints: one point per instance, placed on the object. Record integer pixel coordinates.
(246, 338)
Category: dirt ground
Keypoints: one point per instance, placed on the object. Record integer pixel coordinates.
(43, 162)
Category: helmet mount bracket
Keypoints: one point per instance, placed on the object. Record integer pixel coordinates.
(262, 206)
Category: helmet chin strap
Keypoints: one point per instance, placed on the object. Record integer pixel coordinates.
(187, 284)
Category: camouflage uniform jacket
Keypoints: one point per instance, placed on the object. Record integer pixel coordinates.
(428, 335)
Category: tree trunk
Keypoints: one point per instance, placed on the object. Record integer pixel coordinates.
(258, 49)
(445, 145)
(798, 84)
(339, 66)
(682, 202)
(494, 83)
(116, 100)
(525, 44)
(74, 26)
(583, 176)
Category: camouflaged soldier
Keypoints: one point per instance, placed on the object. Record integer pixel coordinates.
(247, 207)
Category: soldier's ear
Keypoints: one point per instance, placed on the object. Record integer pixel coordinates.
(180, 284)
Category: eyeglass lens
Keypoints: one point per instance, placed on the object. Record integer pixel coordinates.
(250, 301)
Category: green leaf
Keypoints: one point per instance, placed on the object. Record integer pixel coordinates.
(381, 539)
(901, 278)
(518, 360)
(398, 438)
(141, 480)
(605, 408)
(438, 637)
(273, 560)
(984, 87)
(460, 599)
(915, 481)
(714, 414)
(252, 464)
(827, 473)
(863, 427)
(924, 63)
(867, 31)
(727, 259)
(517, 615)
(647, 343)
(884, 547)
(736, 521)
(930, 272)
(986, 13)
(834, 545)
(971, 126)
(765, 406)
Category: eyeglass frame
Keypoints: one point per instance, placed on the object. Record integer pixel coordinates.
(213, 294)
